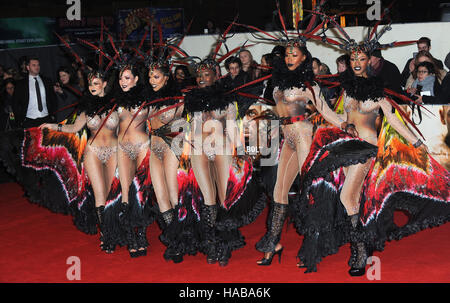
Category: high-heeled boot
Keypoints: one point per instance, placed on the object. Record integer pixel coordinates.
(99, 211)
(275, 223)
(130, 234)
(105, 239)
(208, 223)
(167, 217)
(141, 240)
(359, 251)
(171, 253)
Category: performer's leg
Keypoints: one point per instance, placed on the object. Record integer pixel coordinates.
(304, 146)
(209, 237)
(350, 196)
(95, 171)
(167, 170)
(159, 183)
(141, 231)
(127, 170)
(109, 170)
(171, 164)
(351, 190)
(222, 165)
(201, 167)
(286, 174)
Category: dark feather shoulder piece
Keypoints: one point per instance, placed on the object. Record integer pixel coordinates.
(132, 98)
(360, 88)
(286, 79)
(207, 99)
(94, 105)
(169, 90)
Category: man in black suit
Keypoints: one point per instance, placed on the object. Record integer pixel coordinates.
(34, 100)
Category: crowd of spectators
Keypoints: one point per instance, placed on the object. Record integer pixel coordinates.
(423, 78)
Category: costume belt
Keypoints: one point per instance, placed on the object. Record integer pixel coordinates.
(291, 120)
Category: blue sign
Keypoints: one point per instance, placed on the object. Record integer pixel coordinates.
(133, 23)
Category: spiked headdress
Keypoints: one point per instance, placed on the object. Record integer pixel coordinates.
(346, 43)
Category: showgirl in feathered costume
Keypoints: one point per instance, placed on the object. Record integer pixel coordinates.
(225, 190)
(127, 210)
(62, 168)
(294, 86)
(168, 171)
(353, 179)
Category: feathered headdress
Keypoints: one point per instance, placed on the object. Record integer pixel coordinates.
(162, 53)
(286, 38)
(211, 62)
(105, 61)
(346, 43)
(368, 45)
(93, 68)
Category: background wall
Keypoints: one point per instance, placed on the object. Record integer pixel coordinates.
(200, 45)
(437, 31)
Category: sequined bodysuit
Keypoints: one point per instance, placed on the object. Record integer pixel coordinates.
(363, 115)
(158, 146)
(133, 149)
(103, 153)
(215, 119)
(292, 103)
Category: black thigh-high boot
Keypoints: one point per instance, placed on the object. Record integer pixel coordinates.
(209, 237)
(359, 250)
(105, 245)
(167, 223)
(275, 223)
(125, 221)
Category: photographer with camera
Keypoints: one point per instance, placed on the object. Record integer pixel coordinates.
(423, 44)
(442, 97)
(424, 56)
(425, 83)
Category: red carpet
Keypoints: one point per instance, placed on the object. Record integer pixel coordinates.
(36, 243)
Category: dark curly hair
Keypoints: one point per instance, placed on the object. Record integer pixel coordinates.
(429, 66)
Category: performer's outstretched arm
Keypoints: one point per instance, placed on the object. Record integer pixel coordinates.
(68, 128)
(396, 123)
(323, 108)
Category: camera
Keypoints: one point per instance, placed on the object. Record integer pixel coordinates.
(418, 89)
